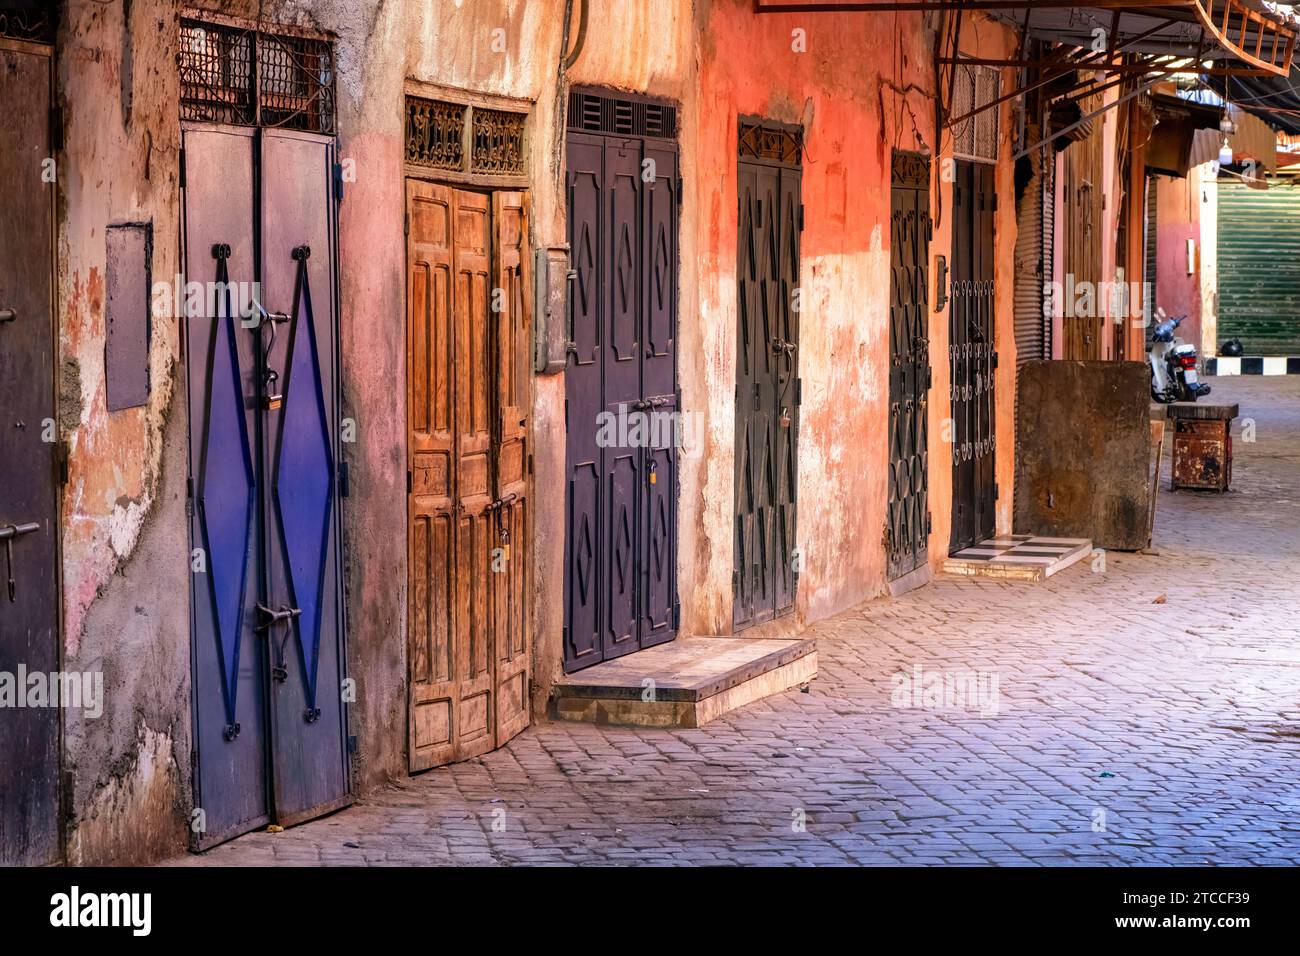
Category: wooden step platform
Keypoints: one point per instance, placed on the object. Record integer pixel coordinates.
(1023, 557)
(685, 683)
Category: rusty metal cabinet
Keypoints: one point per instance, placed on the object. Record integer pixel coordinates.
(1202, 445)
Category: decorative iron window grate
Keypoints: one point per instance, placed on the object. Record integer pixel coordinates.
(248, 78)
(596, 113)
(498, 142)
(32, 20)
(976, 137)
(781, 144)
(461, 138)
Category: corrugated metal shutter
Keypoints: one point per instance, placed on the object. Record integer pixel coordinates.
(1048, 240)
(1259, 268)
(1149, 265)
(1029, 269)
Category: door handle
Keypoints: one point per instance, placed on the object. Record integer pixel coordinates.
(7, 534)
(8, 315)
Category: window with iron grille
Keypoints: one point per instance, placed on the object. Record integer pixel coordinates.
(975, 137)
(464, 138)
(248, 78)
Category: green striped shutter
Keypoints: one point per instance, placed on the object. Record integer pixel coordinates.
(1259, 268)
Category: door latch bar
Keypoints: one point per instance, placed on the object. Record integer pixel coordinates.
(7, 534)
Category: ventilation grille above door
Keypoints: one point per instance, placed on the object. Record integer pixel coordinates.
(974, 88)
(771, 141)
(596, 113)
(464, 138)
(248, 78)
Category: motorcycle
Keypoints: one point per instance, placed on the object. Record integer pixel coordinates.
(1173, 365)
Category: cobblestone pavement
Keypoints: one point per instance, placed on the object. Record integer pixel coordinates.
(1146, 714)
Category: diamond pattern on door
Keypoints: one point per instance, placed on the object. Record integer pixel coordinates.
(304, 486)
(225, 501)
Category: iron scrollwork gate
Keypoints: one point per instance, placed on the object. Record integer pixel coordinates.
(909, 365)
(972, 356)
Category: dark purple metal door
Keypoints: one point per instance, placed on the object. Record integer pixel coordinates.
(29, 496)
(620, 566)
(262, 364)
(767, 389)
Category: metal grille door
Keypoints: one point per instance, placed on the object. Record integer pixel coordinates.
(909, 365)
(767, 376)
(621, 385)
(971, 355)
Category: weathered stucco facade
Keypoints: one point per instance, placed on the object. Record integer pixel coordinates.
(859, 85)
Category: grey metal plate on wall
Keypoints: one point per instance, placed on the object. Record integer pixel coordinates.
(129, 271)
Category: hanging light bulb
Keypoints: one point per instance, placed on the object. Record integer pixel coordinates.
(1225, 153)
(1226, 125)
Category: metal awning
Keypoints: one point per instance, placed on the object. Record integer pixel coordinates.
(1239, 35)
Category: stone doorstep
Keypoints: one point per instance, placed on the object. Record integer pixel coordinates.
(996, 567)
(696, 680)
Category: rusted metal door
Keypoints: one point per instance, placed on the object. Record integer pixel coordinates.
(262, 378)
(767, 386)
(29, 490)
(972, 356)
(909, 365)
(468, 392)
(621, 397)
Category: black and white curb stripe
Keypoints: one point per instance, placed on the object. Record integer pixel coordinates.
(1253, 365)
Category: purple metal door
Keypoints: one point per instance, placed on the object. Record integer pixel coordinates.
(262, 364)
(228, 657)
(300, 487)
(621, 405)
(29, 496)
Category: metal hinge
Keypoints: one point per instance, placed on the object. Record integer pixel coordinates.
(798, 391)
(929, 524)
(352, 743)
(338, 182)
(345, 479)
(801, 217)
(677, 616)
(406, 224)
(997, 491)
(995, 359)
(408, 481)
(182, 167)
(189, 497)
(61, 455)
(995, 202)
(679, 193)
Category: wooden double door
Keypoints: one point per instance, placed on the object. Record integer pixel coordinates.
(468, 400)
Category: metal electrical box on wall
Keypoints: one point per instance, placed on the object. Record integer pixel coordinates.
(551, 278)
(128, 270)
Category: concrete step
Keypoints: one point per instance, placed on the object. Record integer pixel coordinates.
(1023, 557)
(684, 683)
